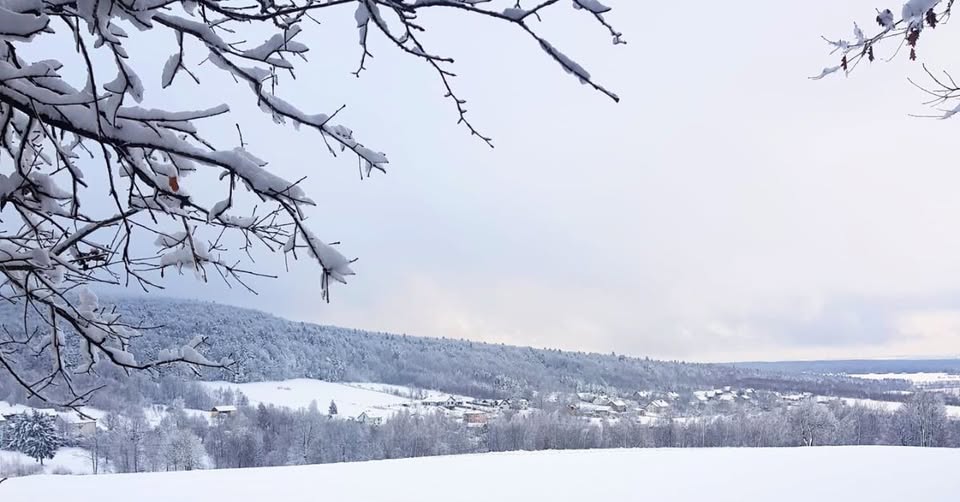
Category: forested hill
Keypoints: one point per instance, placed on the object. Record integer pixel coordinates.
(267, 347)
(855, 366)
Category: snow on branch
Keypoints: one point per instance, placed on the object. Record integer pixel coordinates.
(904, 29)
(55, 136)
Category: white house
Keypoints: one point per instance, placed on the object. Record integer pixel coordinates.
(77, 426)
(519, 404)
(364, 418)
(222, 410)
(656, 407)
(590, 410)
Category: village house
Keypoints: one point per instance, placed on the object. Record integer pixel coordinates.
(590, 410)
(449, 402)
(78, 427)
(519, 404)
(475, 418)
(602, 401)
(618, 405)
(364, 418)
(656, 407)
(222, 410)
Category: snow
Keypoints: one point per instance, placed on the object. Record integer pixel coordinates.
(75, 460)
(914, 10)
(298, 393)
(677, 475)
(591, 5)
(67, 416)
(914, 378)
(408, 392)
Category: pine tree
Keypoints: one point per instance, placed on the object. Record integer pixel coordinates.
(333, 408)
(34, 435)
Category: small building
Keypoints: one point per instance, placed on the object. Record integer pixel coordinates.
(222, 410)
(448, 402)
(602, 401)
(365, 418)
(656, 407)
(474, 417)
(519, 404)
(590, 410)
(618, 405)
(451, 402)
(77, 426)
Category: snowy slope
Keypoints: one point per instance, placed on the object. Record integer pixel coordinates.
(877, 474)
(298, 393)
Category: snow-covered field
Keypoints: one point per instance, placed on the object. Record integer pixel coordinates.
(351, 399)
(74, 460)
(877, 474)
(924, 379)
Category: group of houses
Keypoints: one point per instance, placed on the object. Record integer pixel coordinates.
(475, 412)
(640, 403)
(725, 394)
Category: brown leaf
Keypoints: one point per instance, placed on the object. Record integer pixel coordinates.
(174, 184)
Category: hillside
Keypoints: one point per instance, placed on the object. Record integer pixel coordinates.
(859, 366)
(680, 475)
(267, 348)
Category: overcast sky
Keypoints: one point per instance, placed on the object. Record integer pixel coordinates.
(728, 208)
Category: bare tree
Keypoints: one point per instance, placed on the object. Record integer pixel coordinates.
(55, 135)
(900, 34)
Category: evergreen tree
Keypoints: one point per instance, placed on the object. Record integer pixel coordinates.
(333, 408)
(34, 435)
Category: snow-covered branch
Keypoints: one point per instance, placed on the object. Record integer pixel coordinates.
(56, 137)
(903, 31)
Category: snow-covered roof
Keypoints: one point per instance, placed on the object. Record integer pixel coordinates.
(618, 402)
(659, 403)
(592, 407)
(224, 408)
